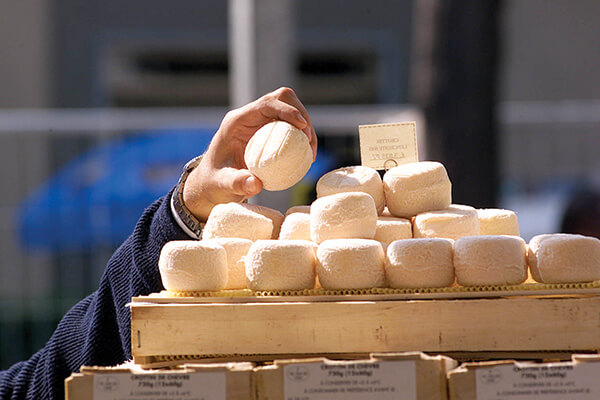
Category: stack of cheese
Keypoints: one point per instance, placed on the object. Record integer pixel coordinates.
(365, 232)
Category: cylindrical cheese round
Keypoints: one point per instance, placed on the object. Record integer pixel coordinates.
(281, 265)
(298, 209)
(454, 222)
(390, 228)
(279, 154)
(497, 221)
(350, 264)
(356, 178)
(236, 249)
(275, 216)
(490, 260)
(414, 188)
(564, 258)
(192, 265)
(343, 215)
(419, 263)
(296, 226)
(238, 221)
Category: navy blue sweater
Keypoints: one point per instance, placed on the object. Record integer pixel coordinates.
(96, 331)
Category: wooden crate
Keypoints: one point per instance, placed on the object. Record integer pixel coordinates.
(181, 328)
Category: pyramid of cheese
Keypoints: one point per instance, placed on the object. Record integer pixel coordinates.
(389, 229)
(356, 178)
(281, 265)
(296, 226)
(454, 222)
(235, 220)
(275, 216)
(192, 265)
(490, 260)
(496, 221)
(414, 188)
(350, 264)
(415, 263)
(343, 215)
(236, 249)
(564, 258)
(279, 154)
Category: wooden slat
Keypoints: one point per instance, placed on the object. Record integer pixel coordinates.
(512, 324)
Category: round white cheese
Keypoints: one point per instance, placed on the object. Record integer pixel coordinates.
(237, 220)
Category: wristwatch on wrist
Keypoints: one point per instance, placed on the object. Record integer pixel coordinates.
(185, 219)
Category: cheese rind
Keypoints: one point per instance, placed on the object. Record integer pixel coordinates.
(275, 216)
(343, 215)
(490, 260)
(192, 265)
(296, 226)
(350, 264)
(280, 265)
(415, 188)
(454, 222)
(497, 221)
(236, 249)
(389, 229)
(357, 178)
(298, 209)
(564, 258)
(279, 154)
(420, 263)
(235, 220)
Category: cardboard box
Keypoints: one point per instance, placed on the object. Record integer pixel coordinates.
(231, 381)
(577, 379)
(382, 376)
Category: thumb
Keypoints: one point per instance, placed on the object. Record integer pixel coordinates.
(240, 182)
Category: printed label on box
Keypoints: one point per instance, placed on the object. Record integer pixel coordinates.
(383, 146)
(381, 380)
(557, 381)
(189, 386)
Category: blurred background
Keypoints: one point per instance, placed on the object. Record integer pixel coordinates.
(102, 103)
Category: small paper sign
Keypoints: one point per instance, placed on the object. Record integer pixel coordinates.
(383, 146)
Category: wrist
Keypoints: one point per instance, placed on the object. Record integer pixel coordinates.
(188, 222)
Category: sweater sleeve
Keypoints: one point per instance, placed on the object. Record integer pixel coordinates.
(96, 331)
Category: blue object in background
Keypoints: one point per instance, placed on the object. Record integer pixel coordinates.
(96, 199)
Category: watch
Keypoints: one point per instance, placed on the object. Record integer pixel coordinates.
(185, 219)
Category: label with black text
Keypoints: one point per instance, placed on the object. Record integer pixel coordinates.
(383, 146)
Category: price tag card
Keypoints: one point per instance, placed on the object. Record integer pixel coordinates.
(383, 146)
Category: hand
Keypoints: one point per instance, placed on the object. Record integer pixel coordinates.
(222, 175)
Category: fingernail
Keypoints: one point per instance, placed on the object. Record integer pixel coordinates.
(251, 185)
(301, 118)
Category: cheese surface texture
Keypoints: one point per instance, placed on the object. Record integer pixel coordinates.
(192, 265)
(564, 258)
(490, 260)
(279, 154)
(343, 215)
(296, 226)
(497, 221)
(275, 216)
(356, 178)
(454, 222)
(414, 188)
(389, 229)
(416, 263)
(350, 264)
(235, 249)
(235, 220)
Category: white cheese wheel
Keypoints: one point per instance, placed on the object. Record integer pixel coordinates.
(414, 188)
(497, 221)
(356, 178)
(237, 221)
(236, 249)
(389, 229)
(350, 264)
(296, 226)
(454, 222)
(281, 265)
(279, 154)
(275, 216)
(416, 263)
(298, 209)
(192, 265)
(343, 215)
(564, 258)
(490, 260)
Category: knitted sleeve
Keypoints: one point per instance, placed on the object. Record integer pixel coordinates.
(96, 331)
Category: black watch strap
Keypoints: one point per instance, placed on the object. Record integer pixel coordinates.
(185, 219)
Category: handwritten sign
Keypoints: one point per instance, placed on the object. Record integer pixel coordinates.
(383, 146)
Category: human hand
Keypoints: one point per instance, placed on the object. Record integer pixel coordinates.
(222, 175)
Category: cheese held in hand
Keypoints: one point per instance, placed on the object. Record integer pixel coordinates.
(279, 154)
